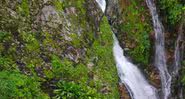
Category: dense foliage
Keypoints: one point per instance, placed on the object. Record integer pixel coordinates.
(70, 90)
(135, 29)
(15, 85)
(172, 9)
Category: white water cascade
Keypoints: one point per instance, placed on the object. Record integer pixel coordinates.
(178, 56)
(102, 4)
(129, 74)
(179, 51)
(160, 59)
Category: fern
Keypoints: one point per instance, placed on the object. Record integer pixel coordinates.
(16, 85)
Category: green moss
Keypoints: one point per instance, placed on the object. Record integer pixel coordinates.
(24, 8)
(58, 5)
(105, 68)
(30, 40)
(74, 3)
(76, 40)
(47, 39)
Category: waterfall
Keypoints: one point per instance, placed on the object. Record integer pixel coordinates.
(129, 74)
(102, 4)
(179, 52)
(160, 61)
(179, 49)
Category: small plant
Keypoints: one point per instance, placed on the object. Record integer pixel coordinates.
(71, 90)
(6, 63)
(24, 8)
(58, 4)
(5, 36)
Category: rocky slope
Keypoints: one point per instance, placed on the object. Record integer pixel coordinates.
(71, 41)
(56, 40)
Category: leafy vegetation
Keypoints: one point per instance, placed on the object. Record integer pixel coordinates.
(173, 9)
(58, 5)
(68, 70)
(24, 8)
(135, 30)
(101, 55)
(15, 85)
(6, 63)
(70, 90)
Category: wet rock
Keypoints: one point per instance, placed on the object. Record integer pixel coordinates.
(124, 94)
(154, 77)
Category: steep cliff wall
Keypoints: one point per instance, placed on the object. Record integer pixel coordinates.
(58, 41)
(67, 44)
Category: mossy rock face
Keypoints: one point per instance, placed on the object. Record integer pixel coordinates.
(131, 23)
(54, 39)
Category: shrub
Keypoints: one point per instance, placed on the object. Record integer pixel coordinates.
(6, 63)
(71, 90)
(66, 69)
(14, 85)
(24, 8)
(173, 9)
(4, 36)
